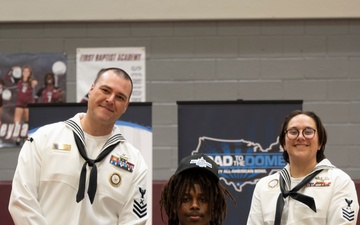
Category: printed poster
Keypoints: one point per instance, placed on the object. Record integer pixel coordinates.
(12, 90)
(89, 61)
(241, 137)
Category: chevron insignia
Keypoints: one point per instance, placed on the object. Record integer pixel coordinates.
(140, 207)
(347, 212)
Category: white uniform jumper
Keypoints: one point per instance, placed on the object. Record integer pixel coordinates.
(47, 176)
(333, 191)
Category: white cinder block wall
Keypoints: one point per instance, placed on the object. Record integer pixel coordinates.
(317, 61)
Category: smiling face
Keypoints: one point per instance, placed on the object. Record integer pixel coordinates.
(49, 80)
(109, 98)
(194, 208)
(302, 149)
(26, 73)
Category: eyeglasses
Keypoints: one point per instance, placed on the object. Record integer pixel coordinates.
(307, 133)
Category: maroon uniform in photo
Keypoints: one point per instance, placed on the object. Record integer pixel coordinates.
(49, 95)
(24, 94)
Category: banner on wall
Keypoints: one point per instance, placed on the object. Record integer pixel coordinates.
(14, 92)
(135, 125)
(90, 60)
(241, 137)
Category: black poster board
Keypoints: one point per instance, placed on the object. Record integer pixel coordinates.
(41, 114)
(241, 137)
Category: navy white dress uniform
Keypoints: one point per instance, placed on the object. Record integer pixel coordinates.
(47, 189)
(332, 190)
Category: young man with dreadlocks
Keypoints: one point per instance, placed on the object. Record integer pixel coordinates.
(194, 194)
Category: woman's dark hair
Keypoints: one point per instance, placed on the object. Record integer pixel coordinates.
(320, 129)
(179, 184)
(50, 74)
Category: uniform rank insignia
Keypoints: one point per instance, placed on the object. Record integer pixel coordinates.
(65, 147)
(122, 162)
(273, 183)
(347, 212)
(115, 179)
(320, 182)
(140, 206)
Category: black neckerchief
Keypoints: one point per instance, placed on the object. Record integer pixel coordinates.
(108, 147)
(309, 201)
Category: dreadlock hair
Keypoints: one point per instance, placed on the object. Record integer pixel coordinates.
(179, 184)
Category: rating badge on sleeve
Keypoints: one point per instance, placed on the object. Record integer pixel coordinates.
(140, 206)
(347, 212)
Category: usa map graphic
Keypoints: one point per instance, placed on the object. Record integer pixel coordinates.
(242, 162)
